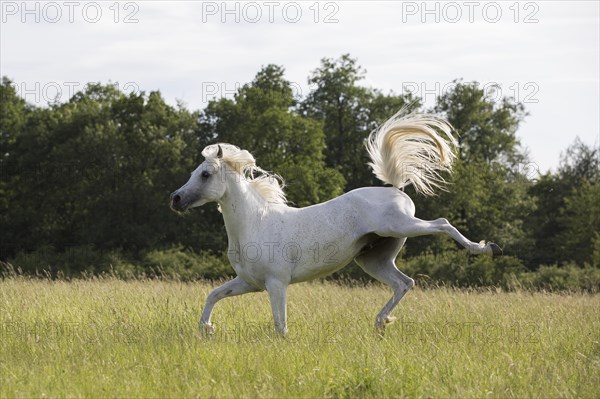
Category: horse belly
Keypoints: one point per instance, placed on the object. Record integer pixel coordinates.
(322, 260)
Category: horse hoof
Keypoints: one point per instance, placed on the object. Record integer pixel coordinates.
(496, 250)
(380, 325)
(380, 330)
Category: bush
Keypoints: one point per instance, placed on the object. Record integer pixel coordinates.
(73, 261)
(85, 261)
(451, 268)
(568, 277)
(186, 265)
(460, 269)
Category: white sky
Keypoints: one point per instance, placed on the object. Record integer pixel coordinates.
(544, 53)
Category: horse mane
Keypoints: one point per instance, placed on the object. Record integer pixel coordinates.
(268, 185)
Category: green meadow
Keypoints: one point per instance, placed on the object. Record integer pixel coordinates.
(106, 337)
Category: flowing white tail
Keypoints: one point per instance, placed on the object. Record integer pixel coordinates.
(407, 149)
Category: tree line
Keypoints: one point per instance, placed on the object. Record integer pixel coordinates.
(85, 184)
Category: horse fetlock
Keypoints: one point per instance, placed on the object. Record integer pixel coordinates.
(382, 323)
(207, 329)
(281, 331)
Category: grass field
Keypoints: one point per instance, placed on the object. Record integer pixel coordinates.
(98, 338)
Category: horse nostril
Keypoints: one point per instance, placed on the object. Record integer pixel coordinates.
(176, 198)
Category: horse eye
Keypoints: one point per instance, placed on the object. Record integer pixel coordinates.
(205, 174)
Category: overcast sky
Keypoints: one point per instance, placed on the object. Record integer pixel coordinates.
(545, 54)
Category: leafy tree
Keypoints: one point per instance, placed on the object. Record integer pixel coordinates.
(14, 112)
(260, 119)
(349, 112)
(487, 128)
(580, 162)
(542, 224)
(14, 117)
(580, 217)
(98, 171)
(566, 217)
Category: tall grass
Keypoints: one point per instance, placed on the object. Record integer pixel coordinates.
(105, 337)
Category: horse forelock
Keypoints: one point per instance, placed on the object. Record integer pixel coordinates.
(268, 185)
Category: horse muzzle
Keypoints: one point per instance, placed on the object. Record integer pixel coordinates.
(177, 203)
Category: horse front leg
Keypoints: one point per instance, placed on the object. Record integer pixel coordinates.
(278, 295)
(234, 287)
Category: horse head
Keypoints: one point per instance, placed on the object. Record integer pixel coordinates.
(206, 183)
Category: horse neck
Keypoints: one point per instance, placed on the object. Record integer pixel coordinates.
(241, 206)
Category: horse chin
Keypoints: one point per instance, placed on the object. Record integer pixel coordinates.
(197, 204)
(179, 211)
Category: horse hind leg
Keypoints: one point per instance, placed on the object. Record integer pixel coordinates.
(410, 226)
(378, 262)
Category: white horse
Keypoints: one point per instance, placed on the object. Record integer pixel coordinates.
(272, 245)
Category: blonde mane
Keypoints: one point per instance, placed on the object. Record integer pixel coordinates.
(268, 185)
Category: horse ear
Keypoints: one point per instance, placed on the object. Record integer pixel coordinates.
(219, 152)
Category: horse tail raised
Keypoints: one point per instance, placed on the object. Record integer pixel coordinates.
(412, 149)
